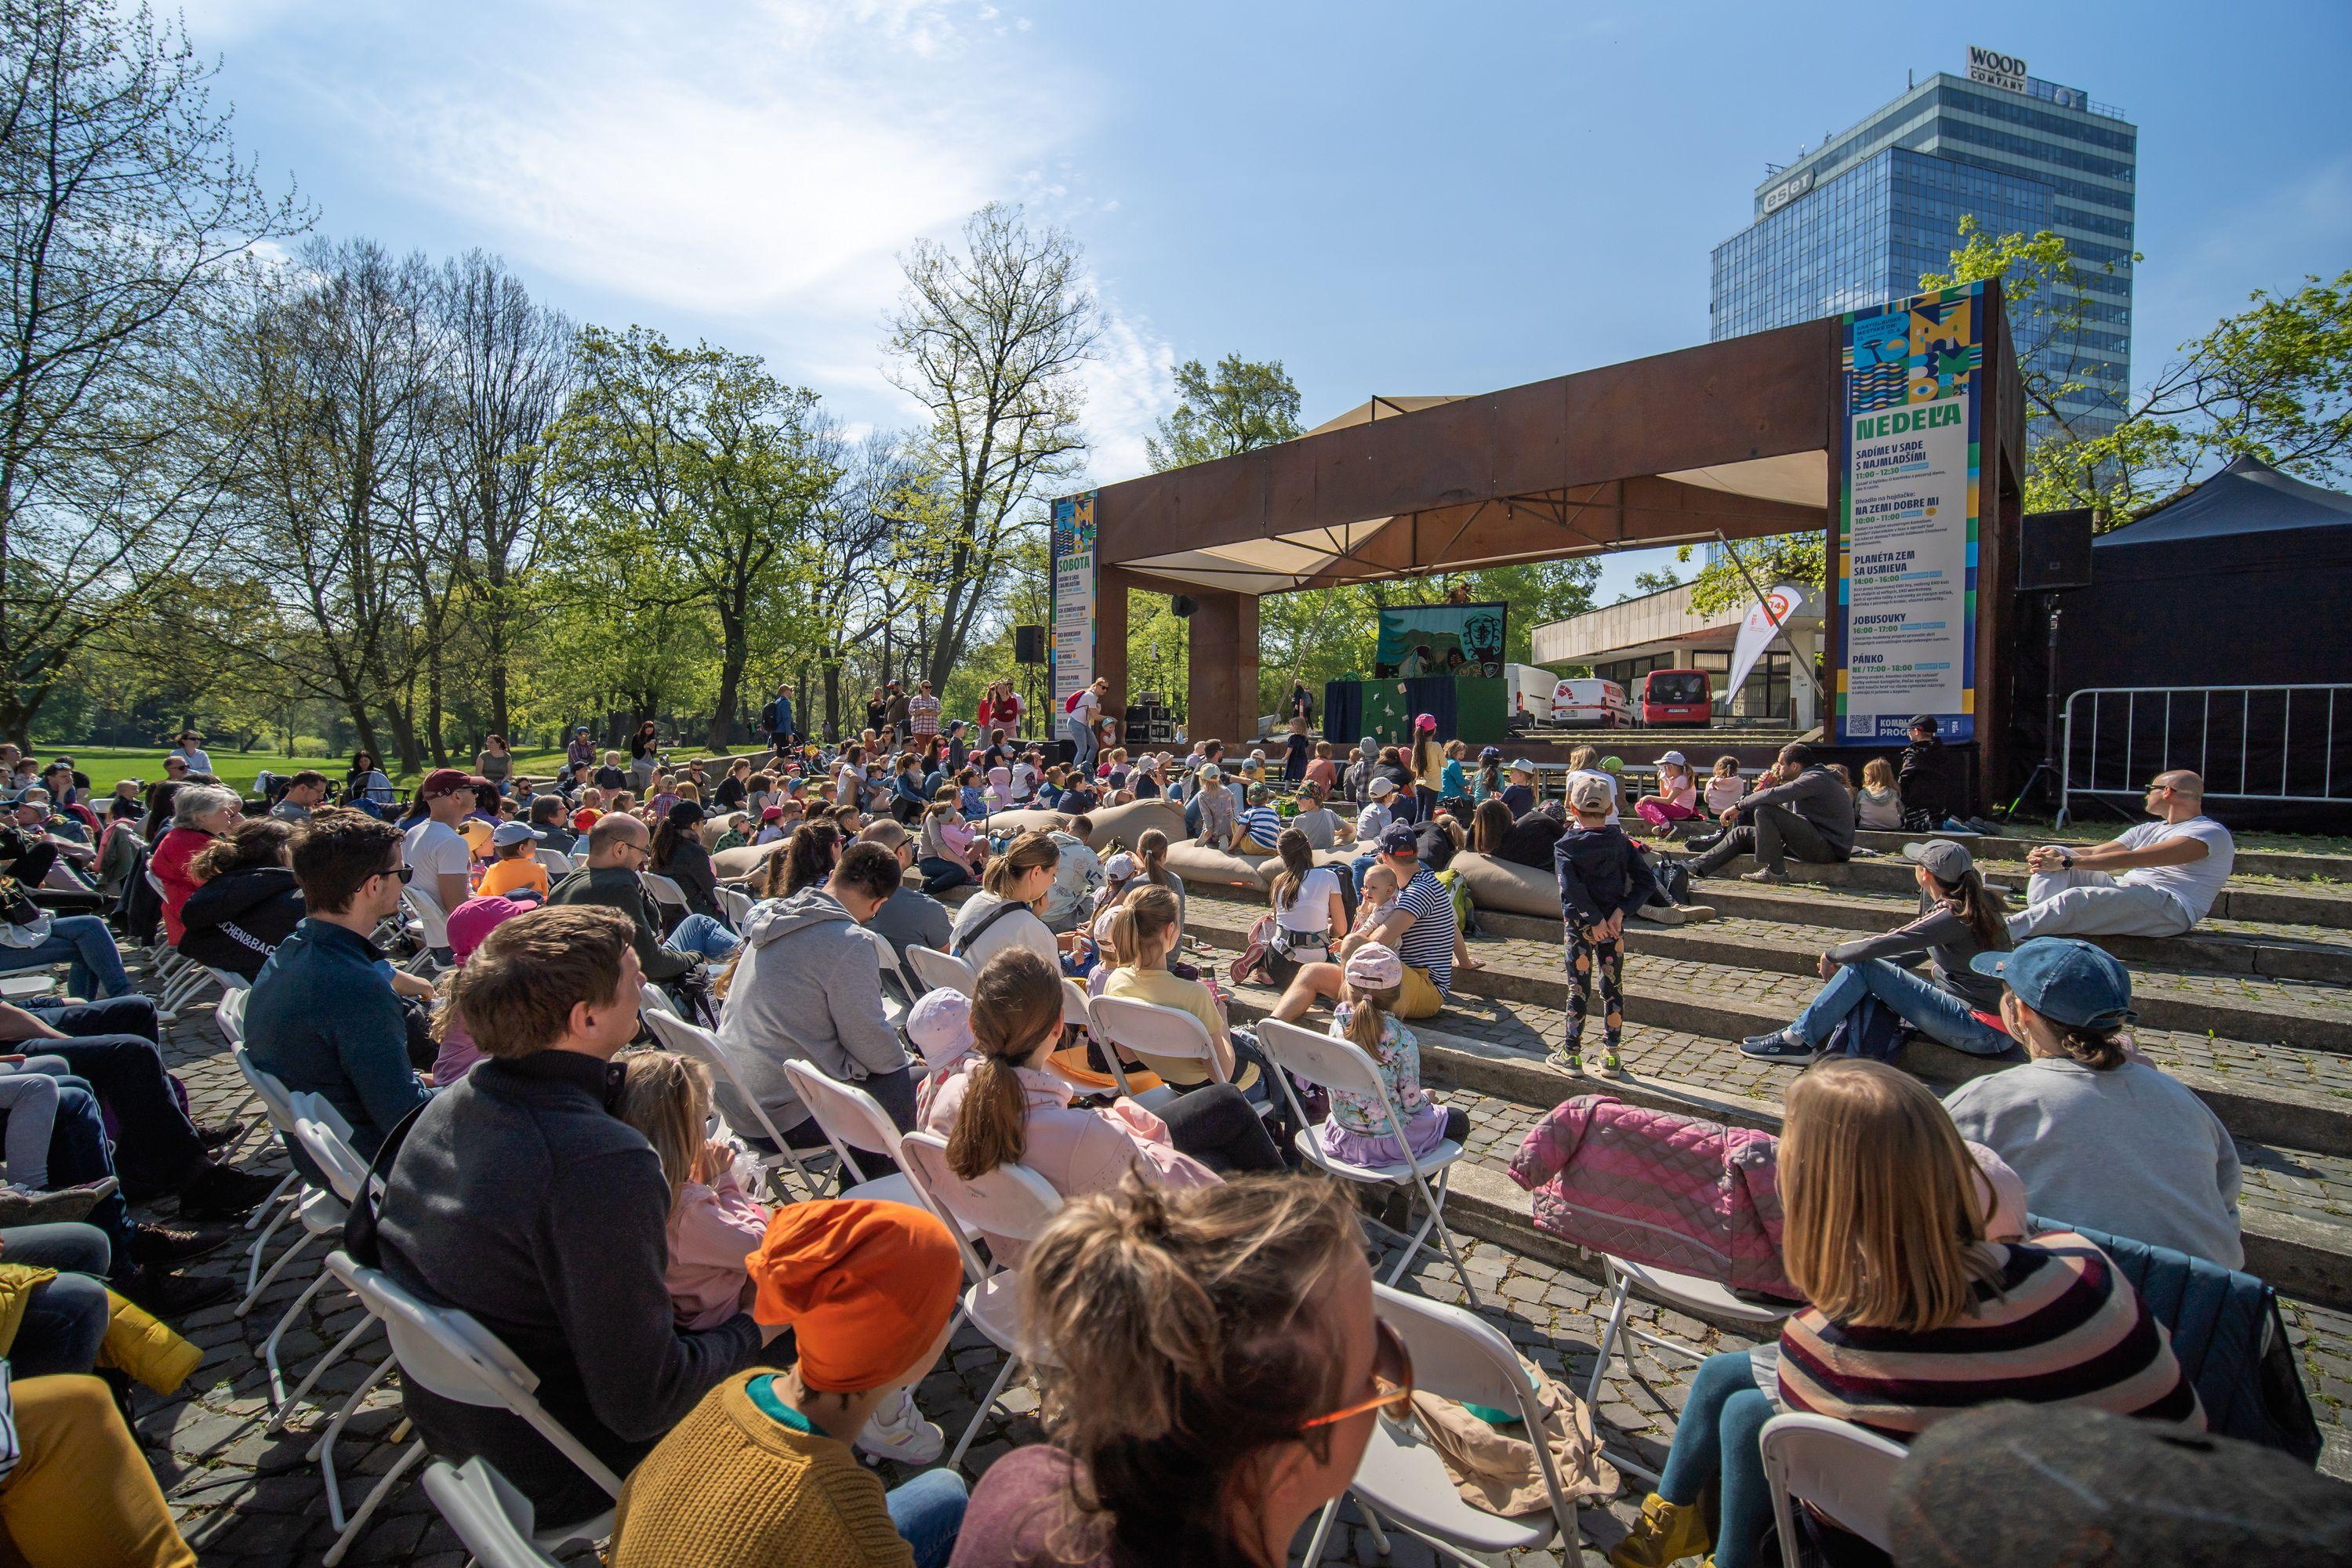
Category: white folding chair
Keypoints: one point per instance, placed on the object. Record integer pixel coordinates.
(452, 1354)
(894, 1008)
(1687, 1292)
(691, 1039)
(852, 1120)
(1342, 1066)
(278, 1104)
(229, 1017)
(664, 890)
(1012, 1201)
(735, 904)
(1843, 1471)
(323, 1135)
(1459, 1355)
(491, 1519)
(425, 905)
(1148, 1030)
(557, 864)
(940, 971)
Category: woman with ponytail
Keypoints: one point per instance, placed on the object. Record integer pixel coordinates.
(1961, 916)
(1002, 1107)
(1308, 911)
(2099, 1136)
(1211, 1369)
(1152, 862)
(808, 857)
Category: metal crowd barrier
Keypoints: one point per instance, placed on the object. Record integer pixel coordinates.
(2272, 743)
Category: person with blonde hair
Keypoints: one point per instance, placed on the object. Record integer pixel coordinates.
(1236, 1324)
(1915, 1313)
(713, 1223)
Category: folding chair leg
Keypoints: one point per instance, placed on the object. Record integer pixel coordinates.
(278, 1333)
(980, 1415)
(322, 1452)
(1322, 1529)
(293, 1401)
(381, 1489)
(1619, 1287)
(253, 1253)
(271, 1274)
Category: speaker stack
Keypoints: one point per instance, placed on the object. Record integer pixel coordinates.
(1150, 723)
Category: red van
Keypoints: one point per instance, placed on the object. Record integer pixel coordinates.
(1677, 697)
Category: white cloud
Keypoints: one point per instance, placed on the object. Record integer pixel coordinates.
(1130, 384)
(750, 168)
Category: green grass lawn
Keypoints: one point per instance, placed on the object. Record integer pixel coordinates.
(104, 764)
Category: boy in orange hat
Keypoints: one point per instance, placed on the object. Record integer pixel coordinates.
(761, 1474)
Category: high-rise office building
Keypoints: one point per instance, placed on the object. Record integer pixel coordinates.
(1855, 222)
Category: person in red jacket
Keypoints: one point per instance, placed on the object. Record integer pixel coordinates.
(200, 815)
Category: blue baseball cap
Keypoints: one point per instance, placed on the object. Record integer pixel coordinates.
(2068, 981)
(1398, 839)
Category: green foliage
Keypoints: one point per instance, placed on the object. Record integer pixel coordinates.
(1245, 405)
(1794, 558)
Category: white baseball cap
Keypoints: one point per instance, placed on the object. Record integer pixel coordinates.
(1380, 787)
(1676, 758)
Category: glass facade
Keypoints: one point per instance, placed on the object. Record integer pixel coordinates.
(1857, 222)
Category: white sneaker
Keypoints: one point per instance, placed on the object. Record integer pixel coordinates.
(898, 1431)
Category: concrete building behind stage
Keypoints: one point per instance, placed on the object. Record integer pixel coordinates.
(1660, 631)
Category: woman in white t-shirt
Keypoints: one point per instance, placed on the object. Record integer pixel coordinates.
(1003, 914)
(1308, 908)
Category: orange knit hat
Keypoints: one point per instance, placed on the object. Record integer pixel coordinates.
(865, 1286)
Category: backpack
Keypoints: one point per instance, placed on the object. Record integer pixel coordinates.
(1873, 1031)
(1673, 881)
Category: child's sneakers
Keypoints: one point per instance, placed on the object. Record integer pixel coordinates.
(1610, 1065)
(1568, 1059)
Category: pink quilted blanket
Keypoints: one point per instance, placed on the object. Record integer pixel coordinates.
(1672, 1192)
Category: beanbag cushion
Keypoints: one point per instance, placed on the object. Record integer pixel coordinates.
(1506, 887)
(730, 865)
(1197, 862)
(1125, 824)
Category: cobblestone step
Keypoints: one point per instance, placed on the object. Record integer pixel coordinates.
(2275, 950)
(2327, 904)
(2292, 863)
(2282, 1094)
(2296, 1212)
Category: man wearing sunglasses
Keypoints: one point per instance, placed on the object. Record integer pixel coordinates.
(324, 1016)
(2159, 878)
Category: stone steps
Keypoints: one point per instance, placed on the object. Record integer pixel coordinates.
(2283, 1094)
(2296, 863)
(2275, 950)
(2324, 903)
(2296, 1214)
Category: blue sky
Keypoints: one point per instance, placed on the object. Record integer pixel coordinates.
(1388, 197)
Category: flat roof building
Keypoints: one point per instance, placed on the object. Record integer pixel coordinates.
(1855, 223)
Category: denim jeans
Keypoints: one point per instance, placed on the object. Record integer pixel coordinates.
(928, 1512)
(65, 1319)
(1083, 737)
(1919, 1002)
(702, 934)
(79, 1152)
(83, 942)
(1718, 1436)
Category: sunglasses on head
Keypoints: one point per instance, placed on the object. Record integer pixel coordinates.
(1392, 1381)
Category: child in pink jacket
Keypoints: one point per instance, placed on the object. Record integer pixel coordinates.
(714, 1225)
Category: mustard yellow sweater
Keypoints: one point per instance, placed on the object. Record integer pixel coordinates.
(730, 1487)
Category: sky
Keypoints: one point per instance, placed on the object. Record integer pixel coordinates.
(1388, 198)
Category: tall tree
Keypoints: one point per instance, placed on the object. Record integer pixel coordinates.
(700, 454)
(506, 365)
(1246, 405)
(990, 341)
(125, 211)
(333, 372)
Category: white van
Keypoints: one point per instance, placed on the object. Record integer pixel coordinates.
(1590, 703)
(1528, 690)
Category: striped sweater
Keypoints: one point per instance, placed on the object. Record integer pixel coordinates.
(2056, 1325)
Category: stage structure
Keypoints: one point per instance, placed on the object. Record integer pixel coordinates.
(1897, 431)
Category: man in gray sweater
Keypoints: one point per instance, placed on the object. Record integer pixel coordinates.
(1806, 813)
(520, 1198)
(808, 987)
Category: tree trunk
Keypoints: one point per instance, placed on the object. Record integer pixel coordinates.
(433, 714)
(833, 696)
(735, 653)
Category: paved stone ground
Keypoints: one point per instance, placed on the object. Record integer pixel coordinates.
(249, 1498)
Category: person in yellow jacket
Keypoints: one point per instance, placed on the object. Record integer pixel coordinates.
(755, 1477)
(75, 1491)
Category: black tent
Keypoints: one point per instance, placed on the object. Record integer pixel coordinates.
(2245, 581)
